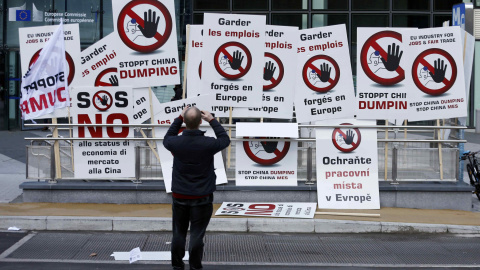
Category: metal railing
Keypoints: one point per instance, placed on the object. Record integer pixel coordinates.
(420, 159)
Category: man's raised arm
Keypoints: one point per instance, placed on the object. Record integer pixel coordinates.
(222, 140)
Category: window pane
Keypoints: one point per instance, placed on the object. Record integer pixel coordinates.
(299, 20)
(319, 20)
(330, 4)
(420, 21)
(411, 5)
(445, 5)
(15, 17)
(289, 4)
(439, 19)
(81, 12)
(198, 18)
(370, 5)
(211, 4)
(250, 5)
(107, 17)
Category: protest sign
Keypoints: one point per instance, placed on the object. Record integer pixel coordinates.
(232, 59)
(266, 163)
(32, 41)
(166, 113)
(347, 166)
(103, 159)
(436, 79)
(99, 63)
(278, 82)
(194, 69)
(148, 42)
(142, 106)
(324, 76)
(46, 79)
(282, 210)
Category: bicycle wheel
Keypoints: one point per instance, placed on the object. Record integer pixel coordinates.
(471, 175)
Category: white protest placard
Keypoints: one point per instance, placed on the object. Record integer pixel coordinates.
(165, 113)
(347, 166)
(103, 159)
(278, 82)
(148, 42)
(437, 79)
(135, 255)
(232, 59)
(285, 130)
(267, 209)
(266, 163)
(33, 39)
(141, 104)
(99, 63)
(324, 88)
(381, 71)
(194, 69)
(194, 66)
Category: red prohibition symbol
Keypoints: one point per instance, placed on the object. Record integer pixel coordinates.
(346, 148)
(102, 100)
(310, 71)
(372, 42)
(222, 55)
(273, 82)
(277, 154)
(127, 14)
(99, 81)
(71, 65)
(421, 63)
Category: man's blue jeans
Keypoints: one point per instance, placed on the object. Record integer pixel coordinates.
(197, 212)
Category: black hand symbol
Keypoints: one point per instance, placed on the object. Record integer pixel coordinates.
(113, 80)
(393, 58)
(350, 136)
(324, 72)
(149, 28)
(268, 71)
(236, 61)
(440, 69)
(104, 100)
(269, 147)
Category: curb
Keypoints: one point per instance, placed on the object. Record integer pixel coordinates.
(271, 225)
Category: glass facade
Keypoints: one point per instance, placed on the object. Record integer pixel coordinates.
(97, 22)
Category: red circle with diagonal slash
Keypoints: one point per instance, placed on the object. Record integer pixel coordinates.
(279, 155)
(274, 82)
(128, 11)
(309, 64)
(97, 96)
(223, 49)
(101, 75)
(200, 70)
(372, 42)
(355, 145)
(71, 65)
(421, 60)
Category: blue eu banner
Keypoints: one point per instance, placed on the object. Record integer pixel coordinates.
(24, 15)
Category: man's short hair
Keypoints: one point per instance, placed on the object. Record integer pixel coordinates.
(192, 118)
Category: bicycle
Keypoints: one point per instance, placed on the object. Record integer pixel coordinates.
(473, 170)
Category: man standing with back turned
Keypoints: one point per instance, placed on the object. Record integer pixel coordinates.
(193, 181)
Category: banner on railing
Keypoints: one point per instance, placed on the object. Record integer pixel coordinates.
(347, 166)
(265, 209)
(266, 163)
(103, 159)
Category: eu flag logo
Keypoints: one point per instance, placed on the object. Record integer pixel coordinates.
(24, 15)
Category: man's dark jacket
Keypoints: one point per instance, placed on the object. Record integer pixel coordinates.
(193, 171)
